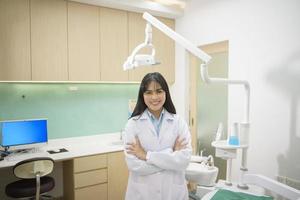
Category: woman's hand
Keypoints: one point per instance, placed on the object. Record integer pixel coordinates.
(136, 149)
(179, 144)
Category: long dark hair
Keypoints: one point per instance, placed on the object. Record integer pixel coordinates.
(148, 78)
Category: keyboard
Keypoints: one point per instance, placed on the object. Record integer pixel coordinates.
(23, 155)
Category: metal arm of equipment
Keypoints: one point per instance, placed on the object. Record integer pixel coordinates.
(272, 185)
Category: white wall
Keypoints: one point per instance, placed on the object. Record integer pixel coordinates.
(264, 48)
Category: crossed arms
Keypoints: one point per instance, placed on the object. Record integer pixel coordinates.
(144, 163)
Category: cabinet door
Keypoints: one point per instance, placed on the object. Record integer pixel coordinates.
(83, 40)
(49, 40)
(165, 51)
(136, 36)
(88, 163)
(89, 178)
(117, 175)
(113, 44)
(95, 192)
(14, 40)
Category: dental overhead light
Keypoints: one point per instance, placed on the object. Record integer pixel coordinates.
(137, 60)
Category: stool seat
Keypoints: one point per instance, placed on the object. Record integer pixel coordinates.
(27, 187)
(34, 180)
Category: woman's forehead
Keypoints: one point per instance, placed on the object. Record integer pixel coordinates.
(153, 85)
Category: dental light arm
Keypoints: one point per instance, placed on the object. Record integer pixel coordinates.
(177, 38)
(201, 55)
(205, 77)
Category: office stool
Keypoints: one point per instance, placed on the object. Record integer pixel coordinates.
(34, 181)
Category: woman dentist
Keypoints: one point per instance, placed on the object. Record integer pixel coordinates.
(157, 145)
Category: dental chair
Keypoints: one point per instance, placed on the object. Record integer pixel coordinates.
(33, 183)
(202, 172)
(269, 190)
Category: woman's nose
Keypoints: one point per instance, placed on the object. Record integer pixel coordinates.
(154, 95)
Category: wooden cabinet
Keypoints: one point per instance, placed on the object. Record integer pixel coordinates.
(117, 176)
(83, 41)
(86, 176)
(97, 177)
(95, 192)
(113, 44)
(49, 40)
(15, 41)
(68, 41)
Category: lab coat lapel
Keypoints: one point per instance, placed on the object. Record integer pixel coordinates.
(147, 121)
(167, 120)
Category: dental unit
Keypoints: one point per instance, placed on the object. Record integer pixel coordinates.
(202, 170)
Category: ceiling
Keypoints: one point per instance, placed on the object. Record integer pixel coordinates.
(163, 8)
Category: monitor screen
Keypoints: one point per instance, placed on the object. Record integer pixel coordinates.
(23, 132)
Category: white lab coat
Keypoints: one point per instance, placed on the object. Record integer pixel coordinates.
(162, 176)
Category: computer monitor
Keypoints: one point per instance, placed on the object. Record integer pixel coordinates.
(23, 134)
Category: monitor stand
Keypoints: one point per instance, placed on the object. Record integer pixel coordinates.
(5, 152)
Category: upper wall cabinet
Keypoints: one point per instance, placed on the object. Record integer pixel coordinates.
(49, 40)
(113, 44)
(15, 40)
(84, 43)
(67, 41)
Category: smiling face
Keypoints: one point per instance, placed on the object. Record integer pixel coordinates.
(154, 98)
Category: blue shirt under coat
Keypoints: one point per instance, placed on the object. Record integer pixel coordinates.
(156, 122)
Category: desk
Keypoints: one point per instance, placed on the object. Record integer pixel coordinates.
(77, 147)
(107, 145)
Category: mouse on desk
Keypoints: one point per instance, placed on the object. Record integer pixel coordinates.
(57, 151)
(52, 151)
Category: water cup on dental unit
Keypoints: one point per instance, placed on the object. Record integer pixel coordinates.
(233, 137)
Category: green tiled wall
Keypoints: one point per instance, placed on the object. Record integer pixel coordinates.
(92, 109)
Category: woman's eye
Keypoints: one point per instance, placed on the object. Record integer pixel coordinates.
(159, 91)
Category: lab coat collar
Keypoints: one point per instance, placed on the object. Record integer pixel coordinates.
(167, 115)
(153, 117)
(145, 117)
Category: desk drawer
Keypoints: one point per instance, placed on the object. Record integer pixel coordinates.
(90, 178)
(95, 192)
(90, 162)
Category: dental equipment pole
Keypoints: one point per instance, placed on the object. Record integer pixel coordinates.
(204, 74)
